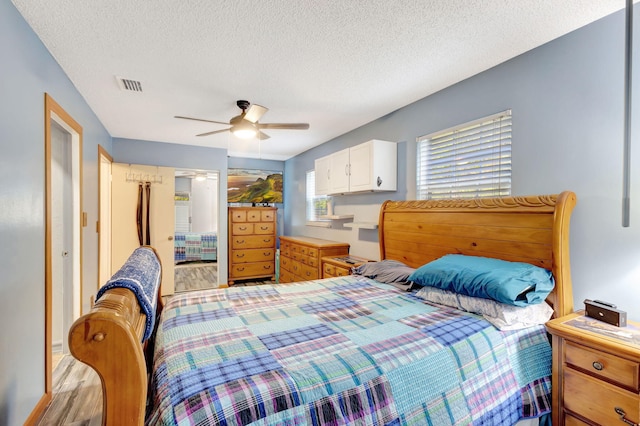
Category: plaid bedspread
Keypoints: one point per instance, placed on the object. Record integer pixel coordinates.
(343, 351)
(195, 246)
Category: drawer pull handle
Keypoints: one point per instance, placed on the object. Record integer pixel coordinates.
(264, 228)
(240, 255)
(623, 416)
(598, 365)
(243, 228)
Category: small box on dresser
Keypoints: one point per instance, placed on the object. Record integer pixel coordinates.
(596, 371)
(252, 243)
(300, 257)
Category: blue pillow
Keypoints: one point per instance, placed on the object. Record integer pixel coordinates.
(514, 283)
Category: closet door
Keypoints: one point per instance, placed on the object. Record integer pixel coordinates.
(124, 202)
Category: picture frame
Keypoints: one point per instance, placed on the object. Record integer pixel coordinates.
(256, 186)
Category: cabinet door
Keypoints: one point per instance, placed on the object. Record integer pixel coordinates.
(323, 174)
(339, 174)
(361, 175)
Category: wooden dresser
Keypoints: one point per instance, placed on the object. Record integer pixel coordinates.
(596, 371)
(252, 243)
(300, 257)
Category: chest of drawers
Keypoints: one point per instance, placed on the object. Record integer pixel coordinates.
(596, 372)
(252, 243)
(300, 257)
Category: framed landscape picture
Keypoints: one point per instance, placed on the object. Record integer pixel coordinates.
(254, 186)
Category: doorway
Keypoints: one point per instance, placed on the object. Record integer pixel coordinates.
(196, 229)
(63, 231)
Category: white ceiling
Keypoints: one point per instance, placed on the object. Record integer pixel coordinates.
(335, 64)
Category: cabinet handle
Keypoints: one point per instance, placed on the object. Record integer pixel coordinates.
(267, 266)
(264, 228)
(240, 241)
(266, 253)
(623, 416)
(268, 240)
(243, 228)
(240, 255)
(346, 169)
(598, 365)
(240, 269)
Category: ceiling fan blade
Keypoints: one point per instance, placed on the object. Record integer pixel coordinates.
(214, 132)
(255, 112)
(263, 136)
(200, 119)
(290, 126)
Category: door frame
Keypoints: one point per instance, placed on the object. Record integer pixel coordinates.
(104, 215)
(54, 112)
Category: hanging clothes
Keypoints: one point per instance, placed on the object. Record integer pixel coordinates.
(148, 236)
(139, 213)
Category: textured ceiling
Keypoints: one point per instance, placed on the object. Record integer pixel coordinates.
(335, 64)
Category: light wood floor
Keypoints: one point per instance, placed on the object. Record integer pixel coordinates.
(77, 391)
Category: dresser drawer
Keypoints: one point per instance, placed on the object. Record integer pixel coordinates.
(252, 269)
(252, 255)
(286, 276)
(242, 228)
(286, 264)
(264, 228)
(309, 272)
(313, 252)
(252, 241)
(238, 215)
(596, 400)
(601, 364)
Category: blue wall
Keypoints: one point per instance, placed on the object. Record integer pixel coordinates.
(28, 71)
(567, 104)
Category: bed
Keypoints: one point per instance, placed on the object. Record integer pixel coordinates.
(195, 246)
(349, 350)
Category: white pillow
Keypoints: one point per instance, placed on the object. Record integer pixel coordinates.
(501, 315)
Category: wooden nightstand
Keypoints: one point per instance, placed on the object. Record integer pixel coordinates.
(596, 371)
(333, 266)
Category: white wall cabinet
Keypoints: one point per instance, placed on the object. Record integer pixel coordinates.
(368, 167)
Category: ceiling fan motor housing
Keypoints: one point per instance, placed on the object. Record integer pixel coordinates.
(243, 105)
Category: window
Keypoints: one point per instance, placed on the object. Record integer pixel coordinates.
(316, 204)
(467, 161)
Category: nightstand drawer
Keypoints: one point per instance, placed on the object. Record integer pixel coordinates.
(601, 364)
(596, 400)
(328, 270)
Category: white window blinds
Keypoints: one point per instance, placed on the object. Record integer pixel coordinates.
(466, 161)
(316, 204)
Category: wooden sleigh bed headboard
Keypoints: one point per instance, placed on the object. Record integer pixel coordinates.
(533, 229)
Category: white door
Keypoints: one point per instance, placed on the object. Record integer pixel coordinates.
(61, 237)
(125, 179)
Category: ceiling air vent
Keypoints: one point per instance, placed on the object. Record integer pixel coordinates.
(129, 85)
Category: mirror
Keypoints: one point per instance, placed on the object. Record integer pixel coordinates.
(196, 229)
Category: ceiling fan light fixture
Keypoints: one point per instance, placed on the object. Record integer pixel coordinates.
(244, 130)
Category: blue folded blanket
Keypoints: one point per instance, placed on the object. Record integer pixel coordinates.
(140, 274)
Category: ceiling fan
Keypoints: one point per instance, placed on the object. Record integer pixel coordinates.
(246, 124)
